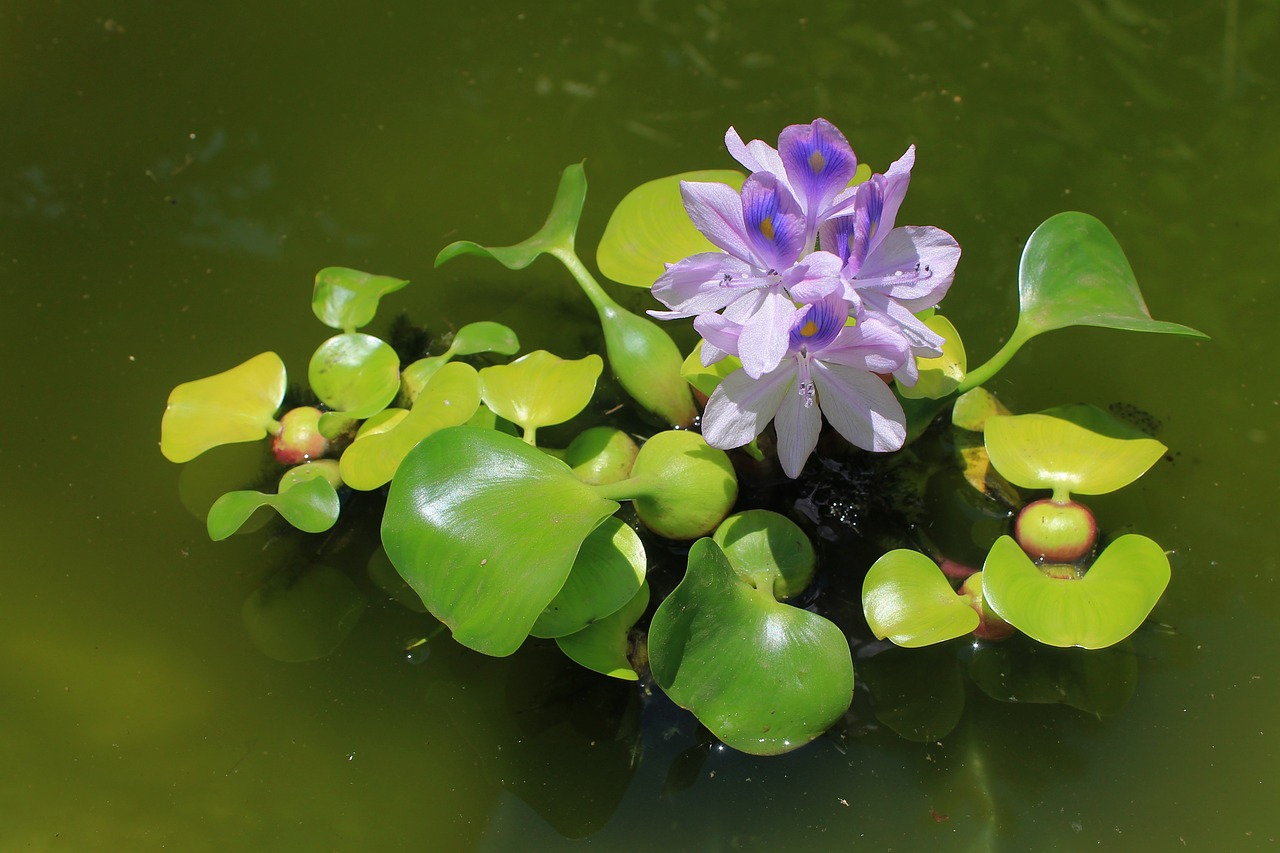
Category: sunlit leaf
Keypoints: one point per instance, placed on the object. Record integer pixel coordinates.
(300, 618)
(558, 231)
(1078, 449)
(1074, 273)
(681, 487)
(485, 529)
(236, 405)
(650, 228)
(764, 677)
(601, 454)
(485, 336)
(768, 550)
(310, 505)
(347, 299)
(603, 645)
(608, 570)
(973, 407)
(939, 376)
(1097, 610)
(449, 399)
(907, 599)
(540, 389)
(355, 374)
(707, 379)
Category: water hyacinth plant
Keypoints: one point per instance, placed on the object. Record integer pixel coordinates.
(811, 305)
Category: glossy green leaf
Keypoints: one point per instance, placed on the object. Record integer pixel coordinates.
(236, 405)
(485, 529)
(347, 299)
(603, 645)
(972, 408)
(540, 389)
(557, 232)
(485, 336)
(764, 677)
(1074, 273)
(306, 617)
(650, 228)
(768, 550)
(1079, 449)
(1100, 609)
(608, 571)
(355, 374)
(449, 399)
(907, 599)
(939, 376)
(310, 505)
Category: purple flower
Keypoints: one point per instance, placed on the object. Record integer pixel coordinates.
(893, 273)
(763, 267)
(828, 369)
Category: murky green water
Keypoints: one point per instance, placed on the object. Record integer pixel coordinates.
(171, 177)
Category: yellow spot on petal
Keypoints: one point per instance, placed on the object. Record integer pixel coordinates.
(817, 161)
(809, 329)
(766, 227)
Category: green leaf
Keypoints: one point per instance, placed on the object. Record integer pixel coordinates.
(355, 374)
(485, 529)
(1100, 609)
(347, 299)
(603, 645)
(1079, 449)
(310, 505)
(540, 389)
(608, 571)
(601, 454)
(942, 375)
(768, 550)
(1074, 273)
(764, 677)
(557, 232)
(707, 378)
(449, 399)
(650, 228)
(681, 487)
(484, 336)
(907, 599)
(236, 405)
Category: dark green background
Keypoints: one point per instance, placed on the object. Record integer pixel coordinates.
(173, 175)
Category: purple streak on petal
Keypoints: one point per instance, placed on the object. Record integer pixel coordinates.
(764, 337)
(798, 424)
(818, 324)
(819, 164)
(740, 407)
(860, 406)
(698, 284)
(757, 156)
(773, 221)
(716, 211)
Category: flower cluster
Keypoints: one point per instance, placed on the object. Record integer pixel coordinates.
(813, 289)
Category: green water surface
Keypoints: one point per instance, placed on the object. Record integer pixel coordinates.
(173, 175)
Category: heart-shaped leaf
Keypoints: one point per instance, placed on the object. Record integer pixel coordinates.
(1074, 273)
(484, 336)
(1078, 449)
(606, 574)
(602, 646)
(236, 405)
(907, 599)
(485, 529)
(1097, 610)
(764, 677)
(355, 374)
(556, 233)
(347, 299)
(650, 228)
(768, 550)
(540, 389)
(449, 399)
